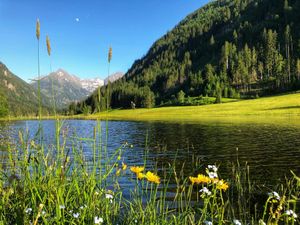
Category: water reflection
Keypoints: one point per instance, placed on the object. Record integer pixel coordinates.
(270, 150)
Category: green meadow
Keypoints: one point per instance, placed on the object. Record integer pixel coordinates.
(282, 107)
(277, 106)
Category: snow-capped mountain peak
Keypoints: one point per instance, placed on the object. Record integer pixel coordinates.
(69, 88)
(91, 84)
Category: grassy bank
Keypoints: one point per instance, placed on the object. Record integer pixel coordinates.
(277, 106)
(265, 109)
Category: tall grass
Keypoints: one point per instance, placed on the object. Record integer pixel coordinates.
(59, 185)
(38, 33)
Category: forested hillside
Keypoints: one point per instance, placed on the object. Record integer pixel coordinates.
(18, 97)
(228, 48)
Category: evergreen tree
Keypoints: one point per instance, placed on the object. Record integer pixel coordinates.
(287, 37)
(212, 40)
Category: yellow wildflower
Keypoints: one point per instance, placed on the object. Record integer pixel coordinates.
(193, 179)
(222, 185)
(140, 175)
(137, 169)
(214, 180)
(203, 179)
(124, 166)
(200, 179)
(118, 172)
(151, 177)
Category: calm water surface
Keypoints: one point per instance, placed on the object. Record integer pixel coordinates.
(270, 150)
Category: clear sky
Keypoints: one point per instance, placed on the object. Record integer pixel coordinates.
(81, 32)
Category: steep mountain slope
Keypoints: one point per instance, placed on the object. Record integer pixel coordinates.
(114, 77)
(66, 88)
(226, 48)
(17, 96)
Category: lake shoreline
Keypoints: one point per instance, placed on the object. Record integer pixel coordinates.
(268, 109)
(275, 109)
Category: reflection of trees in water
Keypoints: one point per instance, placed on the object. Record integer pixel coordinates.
(269, 149)
(5, 141)
(5, 137)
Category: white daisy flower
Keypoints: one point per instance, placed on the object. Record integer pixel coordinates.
(237, 222)
(28, 210)
(213, 168)
(98, 220)
(109, 196)
(212, 175)
(275, 195)
(83, 206)
(205, 191)
(291, 213)
(76, 215)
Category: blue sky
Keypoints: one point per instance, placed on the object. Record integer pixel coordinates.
(81, 32)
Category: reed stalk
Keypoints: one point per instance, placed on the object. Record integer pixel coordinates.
(39, 73)
(108, 82)
(48, 44)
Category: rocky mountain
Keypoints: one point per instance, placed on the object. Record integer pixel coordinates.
(70, 88)
(67, 88)
(18, 97)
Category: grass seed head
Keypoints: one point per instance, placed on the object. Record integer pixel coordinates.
(48, 45)
(38, 29)
(110, 54)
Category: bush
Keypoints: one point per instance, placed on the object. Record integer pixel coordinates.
(180, 97)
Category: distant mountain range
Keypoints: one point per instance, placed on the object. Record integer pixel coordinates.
(20, 97)
(69, 88)
(66, 87)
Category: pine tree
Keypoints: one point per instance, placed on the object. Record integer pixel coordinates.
(287, 37)
(212, 40)
(298, 69)
(235, 37)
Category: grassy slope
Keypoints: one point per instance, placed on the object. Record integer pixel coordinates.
(282, 106)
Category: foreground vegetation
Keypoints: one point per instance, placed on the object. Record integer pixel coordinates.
(58, 184)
